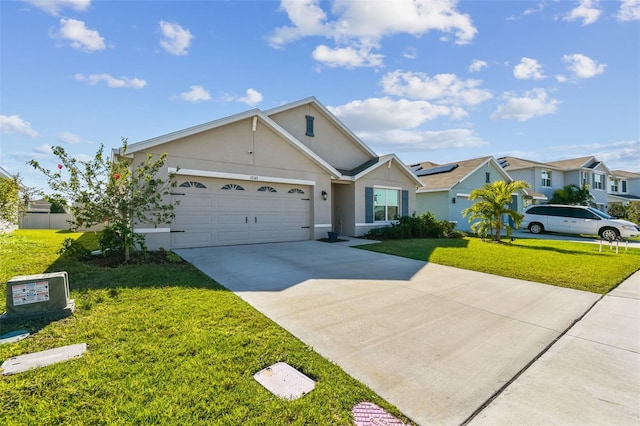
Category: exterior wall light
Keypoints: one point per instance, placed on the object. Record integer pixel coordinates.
(324, 195)
(453, 200)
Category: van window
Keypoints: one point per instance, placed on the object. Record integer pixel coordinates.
(584, 214)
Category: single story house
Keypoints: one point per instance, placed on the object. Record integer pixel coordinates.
(289, 173)
(446, 187)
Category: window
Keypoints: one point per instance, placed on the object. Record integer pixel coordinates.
(232, 186)
(267, 189)
(192, 184)
(598, 181)
(546, 178)
(310, 119)
(585, 178)
(615, 185)
(295, 191)
(624, 186)
(386, 204)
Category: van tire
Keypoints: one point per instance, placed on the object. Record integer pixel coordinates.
(536, 228)
(609, 234)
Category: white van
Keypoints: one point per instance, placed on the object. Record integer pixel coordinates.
(577, 220)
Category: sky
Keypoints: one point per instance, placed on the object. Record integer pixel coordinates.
(428, 80)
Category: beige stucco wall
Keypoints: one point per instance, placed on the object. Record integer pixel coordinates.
(236, 149)
(385, 177)
(329, 142)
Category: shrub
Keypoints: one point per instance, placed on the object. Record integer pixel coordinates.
(423, 226)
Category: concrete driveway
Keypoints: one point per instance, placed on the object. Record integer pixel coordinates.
(435, 341)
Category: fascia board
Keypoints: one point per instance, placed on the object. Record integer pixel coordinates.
(384, 160)
(169, 137)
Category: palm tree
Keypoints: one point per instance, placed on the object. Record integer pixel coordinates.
(495, 199)
(573, 195)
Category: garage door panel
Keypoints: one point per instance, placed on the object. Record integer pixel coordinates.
(214, 216)
(197, 220)
(232, 203)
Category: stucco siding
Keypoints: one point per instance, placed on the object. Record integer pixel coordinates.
(434, 202)
(329, 142)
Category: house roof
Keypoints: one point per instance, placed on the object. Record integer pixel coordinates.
(528, 192)
(457, 172)
(387, 160)
(623, 173)
(259, 115)
(264, 118)
(579, 163)
(625, 197)
(514, 163)
(4, 173)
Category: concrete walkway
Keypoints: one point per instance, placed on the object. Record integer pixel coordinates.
(435, 341)
(591, 376)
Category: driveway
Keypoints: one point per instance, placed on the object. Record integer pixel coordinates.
(435, 341)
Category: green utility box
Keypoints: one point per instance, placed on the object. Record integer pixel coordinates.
(35, 296)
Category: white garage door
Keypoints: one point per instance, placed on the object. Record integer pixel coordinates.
(214, 212)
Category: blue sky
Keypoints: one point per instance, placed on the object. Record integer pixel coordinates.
(431, 80)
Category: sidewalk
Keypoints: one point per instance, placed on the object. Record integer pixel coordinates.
(590, 376)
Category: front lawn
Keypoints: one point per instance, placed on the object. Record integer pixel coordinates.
(575, 265)
(166, 345)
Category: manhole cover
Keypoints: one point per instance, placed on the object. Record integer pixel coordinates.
(283, 380)
(369, 414)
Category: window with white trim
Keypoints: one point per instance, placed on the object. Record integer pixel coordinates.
(624, 186)
(546, 177)
(598, 181)
(386, 204)
(615, 185)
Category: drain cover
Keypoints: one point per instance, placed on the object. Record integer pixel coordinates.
(283, 380)
(21, 363)
(369, 414)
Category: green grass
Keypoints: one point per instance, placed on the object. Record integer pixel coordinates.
(575, 265)
(166, 345)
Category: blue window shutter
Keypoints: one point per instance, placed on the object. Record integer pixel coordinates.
(405, 203)
(368, 205)
(310, 119)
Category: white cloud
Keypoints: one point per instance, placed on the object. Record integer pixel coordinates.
(410, 53)
(93, 79)
(195, 94)
(534, 103)
(176, 39)
(382, 114)
(399, 140)
(477, 65)
(348, 57)
(528, 69)
(582, 66)
(588, 11)
(443, 88)
(79, 36)
(629, 10)
(53, 7)
(252, 98)
(359, 26)
(69, 138)
(15, 124)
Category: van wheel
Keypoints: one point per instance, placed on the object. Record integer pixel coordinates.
(609, 234)
(536, 228)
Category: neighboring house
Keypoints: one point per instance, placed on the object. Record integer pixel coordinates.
(605, 186)
(624, 187)
(4, 225)
(446, 187)
(290, 173)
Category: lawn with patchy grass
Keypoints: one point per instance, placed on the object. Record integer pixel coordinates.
(575, 265)
(166, 345)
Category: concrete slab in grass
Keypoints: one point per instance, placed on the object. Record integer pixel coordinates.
(21, 363)
(283, 380)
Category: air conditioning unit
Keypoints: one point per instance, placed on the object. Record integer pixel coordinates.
(36, 296)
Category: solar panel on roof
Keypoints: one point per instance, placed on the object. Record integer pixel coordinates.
(435, 170)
